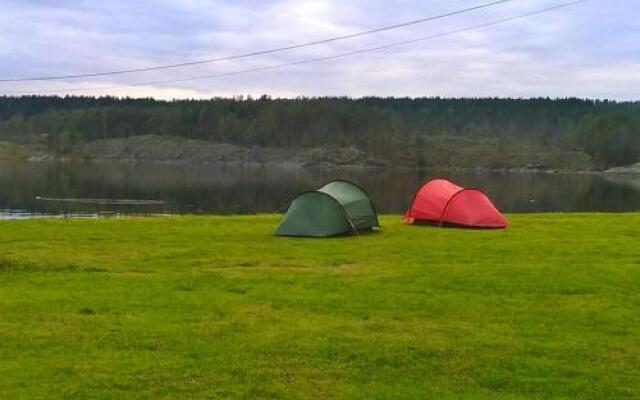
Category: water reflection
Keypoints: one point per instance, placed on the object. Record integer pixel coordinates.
(232, 189)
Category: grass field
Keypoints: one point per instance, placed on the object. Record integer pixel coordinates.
(216, 307)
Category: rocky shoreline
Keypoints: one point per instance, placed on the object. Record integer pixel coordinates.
(482, 155)
(629, 170)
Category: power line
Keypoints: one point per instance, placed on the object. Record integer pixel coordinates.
(260, 52)
(318, 59)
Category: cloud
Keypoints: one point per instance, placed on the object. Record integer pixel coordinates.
(589, 50)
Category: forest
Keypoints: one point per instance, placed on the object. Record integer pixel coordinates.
(608, 131)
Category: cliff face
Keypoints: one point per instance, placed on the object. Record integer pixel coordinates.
(435, 152)
(454, 152)
(177, 149)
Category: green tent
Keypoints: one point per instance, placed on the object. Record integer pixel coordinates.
(337, 208)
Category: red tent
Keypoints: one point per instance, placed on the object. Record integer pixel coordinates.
(440, 201)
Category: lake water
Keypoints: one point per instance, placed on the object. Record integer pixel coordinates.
(82, 188)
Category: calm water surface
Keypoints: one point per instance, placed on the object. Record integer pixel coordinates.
(89, 188)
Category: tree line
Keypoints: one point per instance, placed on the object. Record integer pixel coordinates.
(607, 130)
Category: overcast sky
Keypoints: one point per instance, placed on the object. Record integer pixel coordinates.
(588, 50)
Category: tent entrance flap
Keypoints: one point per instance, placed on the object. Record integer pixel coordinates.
(314, 214)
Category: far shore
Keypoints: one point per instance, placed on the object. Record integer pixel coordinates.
(453, 153)
(457, 154)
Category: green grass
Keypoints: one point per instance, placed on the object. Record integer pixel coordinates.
(216, 307)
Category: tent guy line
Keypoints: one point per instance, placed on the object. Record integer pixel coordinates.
(260, 52)
(310, 60)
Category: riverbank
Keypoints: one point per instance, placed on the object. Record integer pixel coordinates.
(434, 152)
(629, 170)
(196, 307)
